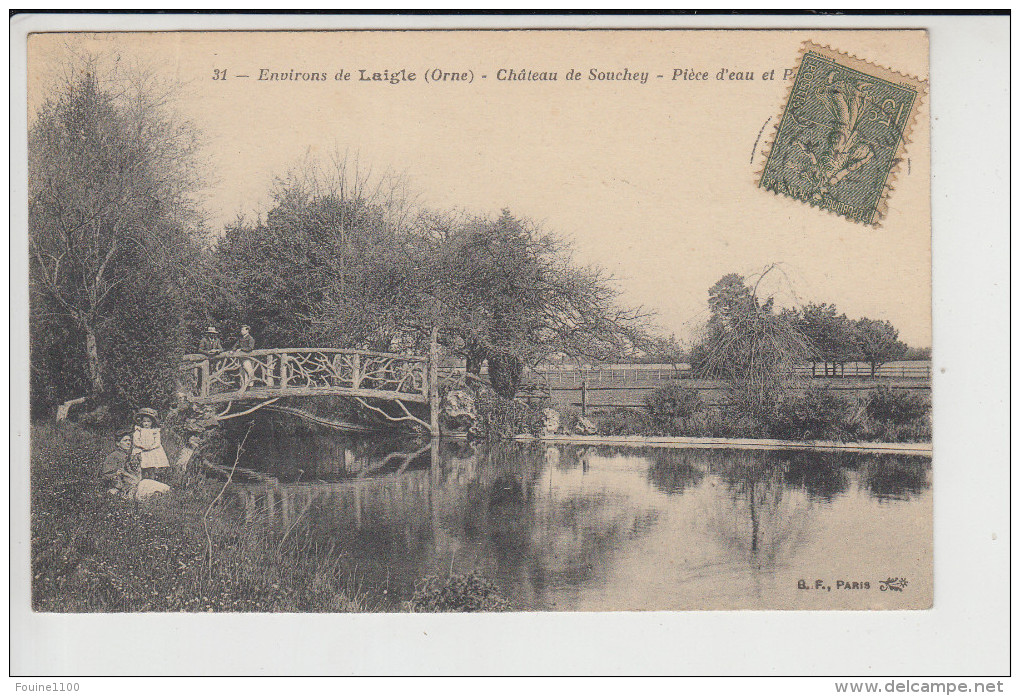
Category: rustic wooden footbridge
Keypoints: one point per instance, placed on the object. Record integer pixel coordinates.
(264, 376)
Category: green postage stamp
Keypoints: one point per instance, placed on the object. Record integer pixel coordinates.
(842, 134)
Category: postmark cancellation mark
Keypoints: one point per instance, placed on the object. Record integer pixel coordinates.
(842, 134)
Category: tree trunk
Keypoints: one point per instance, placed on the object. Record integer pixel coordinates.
(475, 358)
(505, 372)
(92, 367)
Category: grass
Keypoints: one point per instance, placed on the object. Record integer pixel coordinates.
(457, 593)
(92, 552)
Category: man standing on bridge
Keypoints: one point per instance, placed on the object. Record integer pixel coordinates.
(210, 343)
(246, 344)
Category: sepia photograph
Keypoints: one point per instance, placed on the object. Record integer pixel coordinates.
(304, 341)
(480, 321)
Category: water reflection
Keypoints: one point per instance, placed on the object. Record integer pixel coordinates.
(673, 470)
(894, 478)
(822, 475)
(567, 527)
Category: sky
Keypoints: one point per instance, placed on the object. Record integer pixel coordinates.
(653, 180)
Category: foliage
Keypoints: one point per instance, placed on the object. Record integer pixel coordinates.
(896, 406)
(501, 418)
(457, 593)
(912, 353)
(877, 341)
(56, 369)
(92, 552)
(831, 335)
(509, 294)
(141, 343)
(835, 339)
(335, 263)
(624, 421)
(111, 179)
(671, 404)
(748, 345)
(662, 349)
(341, 261)
(816, 414)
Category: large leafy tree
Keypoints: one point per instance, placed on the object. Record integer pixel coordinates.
(832, 335)
(342, 262)
(877, 341)
(333, 264)
(510, 296)
(112, 176)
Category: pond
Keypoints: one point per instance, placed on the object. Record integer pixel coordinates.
(569, 527)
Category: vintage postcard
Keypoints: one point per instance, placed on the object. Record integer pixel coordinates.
(480, 321)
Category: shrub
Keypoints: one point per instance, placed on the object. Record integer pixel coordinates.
(897, 415)
(671, 405)
(884, 431)
(470, 592)
(624, 421)
(896, 406)
(716, 422)
(501, 418)
(569, 416)
(740, 417)
(815, 414)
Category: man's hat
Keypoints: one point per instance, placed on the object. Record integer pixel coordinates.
(212, 330)
(150, 412)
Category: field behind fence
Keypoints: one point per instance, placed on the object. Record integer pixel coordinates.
(611, 386)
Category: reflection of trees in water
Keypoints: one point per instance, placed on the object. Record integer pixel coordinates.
(674, 470)
(525, 514)
(328, 456)
(762, 525)
(888, 477)
(485, 497)
(821, 474)
(374, 519)
(510, 517)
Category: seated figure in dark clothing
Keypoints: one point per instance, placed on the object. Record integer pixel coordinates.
(117, 471)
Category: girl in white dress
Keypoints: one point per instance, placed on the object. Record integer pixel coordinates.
(147, 443)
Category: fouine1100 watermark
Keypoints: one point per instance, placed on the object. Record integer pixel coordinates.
(47, 686)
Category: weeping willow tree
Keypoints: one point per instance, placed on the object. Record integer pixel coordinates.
(750, 346)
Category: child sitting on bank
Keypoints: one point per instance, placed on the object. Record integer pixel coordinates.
(147, 444)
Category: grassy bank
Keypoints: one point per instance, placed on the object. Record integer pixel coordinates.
(92, 552)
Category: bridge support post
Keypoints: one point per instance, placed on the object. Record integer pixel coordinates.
(203, 377)
(434, 382)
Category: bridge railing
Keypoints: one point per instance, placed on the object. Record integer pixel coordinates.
(305, 371)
